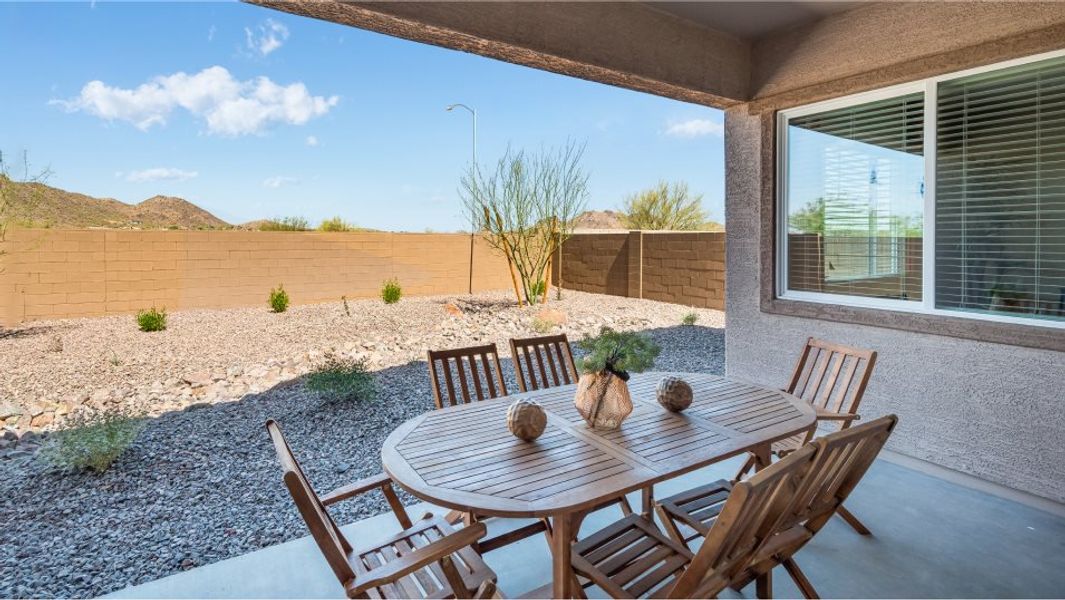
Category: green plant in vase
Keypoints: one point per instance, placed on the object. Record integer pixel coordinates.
(603, 398)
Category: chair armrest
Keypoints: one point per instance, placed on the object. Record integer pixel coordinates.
(420, 558)
(825, 415)
(359, 487)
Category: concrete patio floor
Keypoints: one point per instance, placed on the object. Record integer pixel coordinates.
(931, 538)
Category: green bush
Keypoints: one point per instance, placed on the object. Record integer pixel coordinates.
(91, 441)
(391, 292)
(284, 224)
(619, 352)
(279, 299)
(342, 379)
(542, 326)
(690, 319)
(151, 319)
(336, 224)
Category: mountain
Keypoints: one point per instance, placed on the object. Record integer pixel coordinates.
(598, 219)
(40, 205)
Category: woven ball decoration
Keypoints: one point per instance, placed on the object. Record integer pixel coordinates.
(526, 419)
(674, 394)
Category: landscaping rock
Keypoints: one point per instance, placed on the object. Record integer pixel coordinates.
(203, 466)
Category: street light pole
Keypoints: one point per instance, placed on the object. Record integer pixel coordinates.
(473, 112)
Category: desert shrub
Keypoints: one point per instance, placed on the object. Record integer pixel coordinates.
(342, 379)
(391, 292)
(690, 319)
(279, 299)
(336, 224)
(284, 224)
(152, 319)
(665, 207)
(91, 441)
(618, 352)
(542, 326)
(347, 309)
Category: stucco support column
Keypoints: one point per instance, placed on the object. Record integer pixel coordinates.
(743, 233)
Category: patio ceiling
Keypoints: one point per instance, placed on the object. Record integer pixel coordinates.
(767, 54)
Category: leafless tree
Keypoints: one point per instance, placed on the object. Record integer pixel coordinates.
(526, 208)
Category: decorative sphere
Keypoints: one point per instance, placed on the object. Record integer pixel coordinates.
(674, 394)
(526, 419)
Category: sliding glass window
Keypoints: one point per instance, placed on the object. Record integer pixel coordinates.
(855, 199)
(985, 237)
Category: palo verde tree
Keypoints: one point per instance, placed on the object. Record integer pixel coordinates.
(666, 206)
(19, 194)
(526, 208)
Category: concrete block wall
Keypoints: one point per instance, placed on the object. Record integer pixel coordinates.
(670, 266)
(77, 273)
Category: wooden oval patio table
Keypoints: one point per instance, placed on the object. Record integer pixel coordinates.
(464, 458)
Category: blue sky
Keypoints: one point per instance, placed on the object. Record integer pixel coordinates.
(252, 113)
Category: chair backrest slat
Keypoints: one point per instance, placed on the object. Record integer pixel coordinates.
(751, 515)
(484, 380)
(832, 376)
(771, 516)
(553, 350)
(326, 534)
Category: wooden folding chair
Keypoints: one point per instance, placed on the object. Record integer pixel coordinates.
(550, 357)
(475, 369)
(831, 377)
(428, 559)
(461, 376)
(839, 462)
(633, 558)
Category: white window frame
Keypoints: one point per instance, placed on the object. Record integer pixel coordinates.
(926, 305)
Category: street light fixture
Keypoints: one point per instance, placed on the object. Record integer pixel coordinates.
(473, 112)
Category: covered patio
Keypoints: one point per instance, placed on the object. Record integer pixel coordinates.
(933, 537)
(966, 499)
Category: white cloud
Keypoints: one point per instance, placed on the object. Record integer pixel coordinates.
(159, 174)
(278, 181)
(230, 107)
(269, 36)
(694, 128)
(312, 140)
(210, 33)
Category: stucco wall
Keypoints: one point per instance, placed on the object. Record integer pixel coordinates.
(990, 410)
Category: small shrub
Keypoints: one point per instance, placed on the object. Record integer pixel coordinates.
(342, 379)
(279, 299)
(91, 441)
(537, 290)
(391, 292)
(284, 224)
(336, 224)
(690, 319)
(347, 311)
(115, 360)
(152, 319)
(542, 326)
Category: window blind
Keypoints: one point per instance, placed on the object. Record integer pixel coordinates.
(855, 189)
(1000, 191)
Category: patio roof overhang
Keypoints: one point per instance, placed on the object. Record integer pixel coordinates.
(766, 55)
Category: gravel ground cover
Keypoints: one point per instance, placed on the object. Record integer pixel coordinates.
(201, 483)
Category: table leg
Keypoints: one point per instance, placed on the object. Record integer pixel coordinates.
(562, 531)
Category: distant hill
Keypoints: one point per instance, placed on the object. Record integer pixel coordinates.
(598, 219)
(39, 205)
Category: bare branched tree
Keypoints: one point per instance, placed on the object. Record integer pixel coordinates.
(526, 208)
(8, 189)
